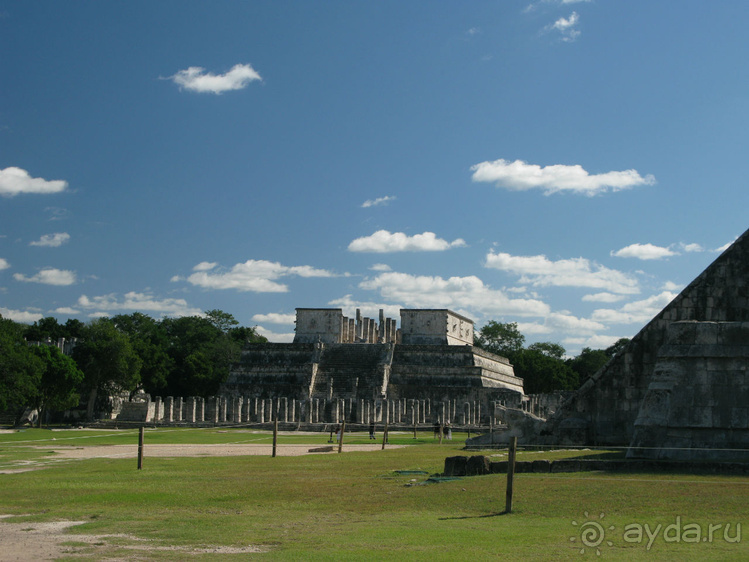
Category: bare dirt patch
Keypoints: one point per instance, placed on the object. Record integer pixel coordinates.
(50, 541)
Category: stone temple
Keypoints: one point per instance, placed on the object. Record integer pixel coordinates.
(680, 388)
(366, 369)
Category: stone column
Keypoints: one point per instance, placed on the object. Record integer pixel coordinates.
(178, 409)
(246, 404)
(158, 412)
(269, 413)
(169, 409)
(200, 409)
(189, 410)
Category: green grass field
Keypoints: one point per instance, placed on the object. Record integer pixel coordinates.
(357, 506)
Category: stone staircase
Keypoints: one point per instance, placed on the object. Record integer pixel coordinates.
(353, 371)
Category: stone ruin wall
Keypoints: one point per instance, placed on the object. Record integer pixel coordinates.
(604, 409)
(329, 325)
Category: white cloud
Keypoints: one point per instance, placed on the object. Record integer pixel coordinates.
(52, 240)
(383, 241)
(692, 247)
(274, 337)
(521, 176)
(275, 318)
(49, 276)
(454, 293)
(253, 275)
(639, 312)
(66, 310)
(380, 267)
(196, 79)
(567, 27)
(602, 297)
(598, 341)
(576, 272)
(644, 252)
(16, 180)
(4, 264)
(105, 304)
(379, 201)
(23, 316)
(368, 309)
(673, 287)
(724, 247)
(562, 322)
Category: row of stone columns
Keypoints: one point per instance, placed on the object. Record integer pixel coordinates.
(239, 409)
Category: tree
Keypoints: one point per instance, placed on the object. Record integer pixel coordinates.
(20, 369)
(542, 372)
(588, 363)
(549, 349)
(222, 320)
(201, 359)
(150, 342)
(60, 380)
(500, 338)
(620, 344)
(107, 360)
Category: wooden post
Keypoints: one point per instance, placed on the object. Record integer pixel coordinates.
(510, 473)
(275, 435)
(340, 442)
(140, 447)
(384, 436)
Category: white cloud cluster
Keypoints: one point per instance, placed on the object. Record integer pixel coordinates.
(258, 276)
(22, 316)
(644, 252)
(567, 27)
(141, 302)
(196, 79)
(384, 241)
(638, 312)
(14, 181)
(368, 309)
(521, 176)
(49, 276)
(576, 272)
(52, 240)
(470, 293)
(275, 337)
(379, 201)
(4, 264)
(275, 318)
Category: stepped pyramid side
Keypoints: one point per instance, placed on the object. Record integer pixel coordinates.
(604, 409)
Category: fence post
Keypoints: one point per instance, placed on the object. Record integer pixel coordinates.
(510, 473)
(275, 435)
(340, 442)
(140, 447)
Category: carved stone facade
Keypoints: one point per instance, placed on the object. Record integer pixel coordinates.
(429, 359)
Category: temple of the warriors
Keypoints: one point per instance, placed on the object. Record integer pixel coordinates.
(365, 369)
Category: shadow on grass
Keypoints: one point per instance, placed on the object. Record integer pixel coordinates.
(488, 515)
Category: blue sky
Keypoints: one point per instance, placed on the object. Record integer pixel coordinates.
(566, 165)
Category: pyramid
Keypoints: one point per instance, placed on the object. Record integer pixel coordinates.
(605, 409)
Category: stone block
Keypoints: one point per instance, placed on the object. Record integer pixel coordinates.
(478, 465)
(541, 466)
(455, 466)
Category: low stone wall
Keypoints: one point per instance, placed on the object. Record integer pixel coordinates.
(478, 465)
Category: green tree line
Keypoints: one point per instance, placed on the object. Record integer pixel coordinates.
(188, 356)
(543, 365)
